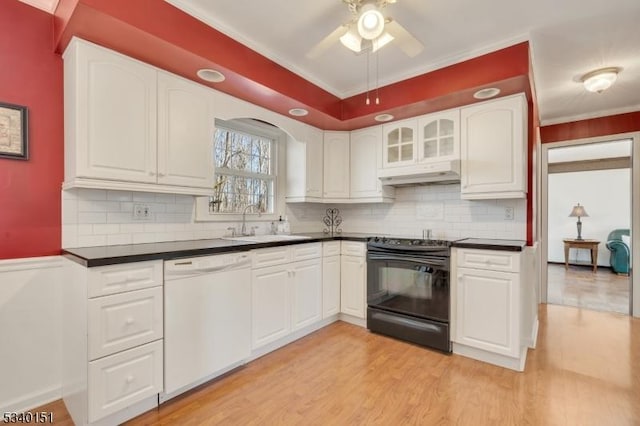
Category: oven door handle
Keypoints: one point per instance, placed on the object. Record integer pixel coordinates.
(423, 260)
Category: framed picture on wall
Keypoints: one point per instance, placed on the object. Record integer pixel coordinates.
(14, 142)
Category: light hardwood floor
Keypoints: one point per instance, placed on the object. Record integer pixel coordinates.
(579, 286)
(585, 371)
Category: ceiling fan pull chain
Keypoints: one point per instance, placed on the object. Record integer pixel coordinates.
(367, 101)
(377, 84)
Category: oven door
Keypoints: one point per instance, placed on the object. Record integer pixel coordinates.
(409, 284)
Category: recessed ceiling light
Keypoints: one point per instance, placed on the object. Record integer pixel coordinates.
(298, 112)
(383, 117)
(600, 80)
(487, 93)
(210, 75)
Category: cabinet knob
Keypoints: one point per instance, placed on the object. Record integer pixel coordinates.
(129, 321)
(130, 379)
(152, 174)
(161, 174)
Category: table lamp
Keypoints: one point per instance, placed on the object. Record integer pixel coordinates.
(579, 211)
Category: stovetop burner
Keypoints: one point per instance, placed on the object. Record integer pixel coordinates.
(408, 242)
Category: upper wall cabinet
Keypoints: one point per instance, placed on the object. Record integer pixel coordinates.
(493, 149)
(185, 133)
(111, 126)
(305, 168)
(336, 166)
(398, 143)
(366, 159)
(439, 136)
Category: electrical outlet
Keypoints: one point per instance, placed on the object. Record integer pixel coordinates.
(508, 213)
(141, 212)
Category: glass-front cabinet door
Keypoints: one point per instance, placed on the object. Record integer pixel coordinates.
(399, 143)
(439, 136)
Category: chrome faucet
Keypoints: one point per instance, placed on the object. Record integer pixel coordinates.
(243, 230)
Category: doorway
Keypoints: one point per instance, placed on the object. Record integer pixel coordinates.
(591, 181)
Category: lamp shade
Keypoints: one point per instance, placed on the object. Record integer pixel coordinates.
(578, 211)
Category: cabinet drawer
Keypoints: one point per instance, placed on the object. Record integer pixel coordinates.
(271, 256)
(122, 321)
(120, 380)
(114, 279)
(330, 248)
(306, 251)
(489, 259)
(353, 248)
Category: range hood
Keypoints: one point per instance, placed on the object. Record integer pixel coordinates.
(416, 174)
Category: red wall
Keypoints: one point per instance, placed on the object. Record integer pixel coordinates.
(604, 126)
(31, 75)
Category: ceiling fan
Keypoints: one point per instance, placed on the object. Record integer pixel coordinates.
(368, 30)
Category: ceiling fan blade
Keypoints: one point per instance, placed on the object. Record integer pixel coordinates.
(408, 43)
(326, 42)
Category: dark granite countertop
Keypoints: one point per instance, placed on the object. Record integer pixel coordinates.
(111, 255)
(490, 244)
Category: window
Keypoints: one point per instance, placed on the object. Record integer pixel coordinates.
(245, 167)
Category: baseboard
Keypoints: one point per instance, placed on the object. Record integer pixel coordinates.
(516, 364)
(360, 322)
(32, 400)
(533, 339)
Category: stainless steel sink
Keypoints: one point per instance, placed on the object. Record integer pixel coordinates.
(267, 238)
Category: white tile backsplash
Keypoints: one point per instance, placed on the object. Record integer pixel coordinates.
(93, 217)
(435, 207)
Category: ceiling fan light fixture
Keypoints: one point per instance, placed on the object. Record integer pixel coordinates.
(381, 41)
(351, 41)
(370, 22)
(600, 80)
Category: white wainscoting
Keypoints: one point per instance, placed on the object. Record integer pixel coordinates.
(30, 332)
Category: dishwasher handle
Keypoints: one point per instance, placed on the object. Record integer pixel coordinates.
(206, 264)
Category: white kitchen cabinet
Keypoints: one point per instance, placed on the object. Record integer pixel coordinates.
(336, 166)
(185, 134)
(110, 115)
(331, 285)
(112, 341)
(306, 293)
(491, 317)
(365, 160)
(286, 294)
(493, 149)
(305, 168)
(399, 143)
(488, 310)
(120, 134)
(439, 136)
(270, 306)
(353, 279)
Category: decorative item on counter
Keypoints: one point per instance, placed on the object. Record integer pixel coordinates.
(332, 221)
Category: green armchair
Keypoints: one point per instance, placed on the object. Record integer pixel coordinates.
(620, 251)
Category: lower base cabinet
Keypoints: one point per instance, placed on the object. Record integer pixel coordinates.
(353, 279)
(112, 341)
(285, 297)
(493, 306)
(330, 285)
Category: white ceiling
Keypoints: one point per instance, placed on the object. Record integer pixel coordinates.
(568, 39)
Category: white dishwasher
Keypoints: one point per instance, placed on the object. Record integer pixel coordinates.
(207, 318)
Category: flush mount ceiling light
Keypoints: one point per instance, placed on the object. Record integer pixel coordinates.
(600, 80)
(383, 117)
(213, 76)
(487, 93)
(298, 112)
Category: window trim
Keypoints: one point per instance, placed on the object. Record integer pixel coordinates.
(257, 128)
